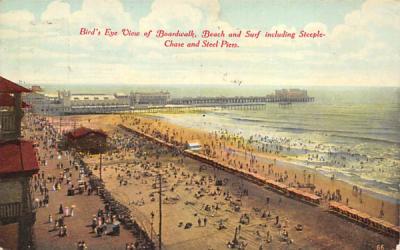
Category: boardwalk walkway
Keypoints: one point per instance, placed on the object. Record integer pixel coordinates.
(78, 226)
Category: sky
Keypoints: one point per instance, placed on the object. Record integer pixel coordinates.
(41, 42)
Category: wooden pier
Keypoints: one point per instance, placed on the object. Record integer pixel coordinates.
(237, 100)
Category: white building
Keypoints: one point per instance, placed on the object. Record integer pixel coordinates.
(291, 93)
(44, 104)
(149, 98)
(92, 103)
(66, 103)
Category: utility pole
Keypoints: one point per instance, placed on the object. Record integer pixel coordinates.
(159, 188)
(101, 157)
(60, 124)
(160, 212)
(152, 229)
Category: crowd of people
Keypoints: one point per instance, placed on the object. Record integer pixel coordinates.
(72, 178)
(243, 154)
(134, 160)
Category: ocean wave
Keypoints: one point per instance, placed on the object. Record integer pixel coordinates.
(259, 120)
(247, 119)
(380, 186)
(335, 133)
(368, 139)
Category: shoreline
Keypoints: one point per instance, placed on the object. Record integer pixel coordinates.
(387, 194)
(179, 170)
(374, 193)
(295, 194)
(371, 204)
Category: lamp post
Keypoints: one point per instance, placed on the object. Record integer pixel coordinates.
(160, 208)
(60, 124)
(151, 223)
(100, 167)
(102, 149)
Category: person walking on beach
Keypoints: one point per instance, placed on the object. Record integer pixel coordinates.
(199, 222)
(381, 213)
(205, 221)
(82, 245)
(277, 220)
(72, 210)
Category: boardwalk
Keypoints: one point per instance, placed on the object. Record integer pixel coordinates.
(78, 226)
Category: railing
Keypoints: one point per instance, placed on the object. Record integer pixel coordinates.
(10, 210)
(7, 125)
(237, 100)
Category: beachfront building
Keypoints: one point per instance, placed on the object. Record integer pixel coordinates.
(86, 140)
(138, 99)
(291, 94)
(92, 103)
(65, 102)
(17, 166)
(44, 104)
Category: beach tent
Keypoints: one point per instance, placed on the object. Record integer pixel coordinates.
(194, 146)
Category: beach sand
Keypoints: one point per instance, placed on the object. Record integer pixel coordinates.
(370, 204)
(322, 230)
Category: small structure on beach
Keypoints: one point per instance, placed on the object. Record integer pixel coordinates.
(193, 146)
(86, 140)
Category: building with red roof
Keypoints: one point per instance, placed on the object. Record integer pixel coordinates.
(11, 116)
(7, 86)
(83, 131)
(86, 140)
(18, 164)
(18, 157)
(6, 100)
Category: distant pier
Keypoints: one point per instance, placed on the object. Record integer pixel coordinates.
(197, 103)
(67, 103)
(238, 100)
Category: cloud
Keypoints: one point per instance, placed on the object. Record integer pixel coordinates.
(102, 13)
(56, 10)
(98, 13)
(18, 19)
(184, 14)
(377, 22)
(362, 49)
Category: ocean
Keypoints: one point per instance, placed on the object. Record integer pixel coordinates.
(352, 133)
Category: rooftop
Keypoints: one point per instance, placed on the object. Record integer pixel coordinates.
(18, 157)
(83, 131)
(7, 86)
(7, 100)
(92, 97)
